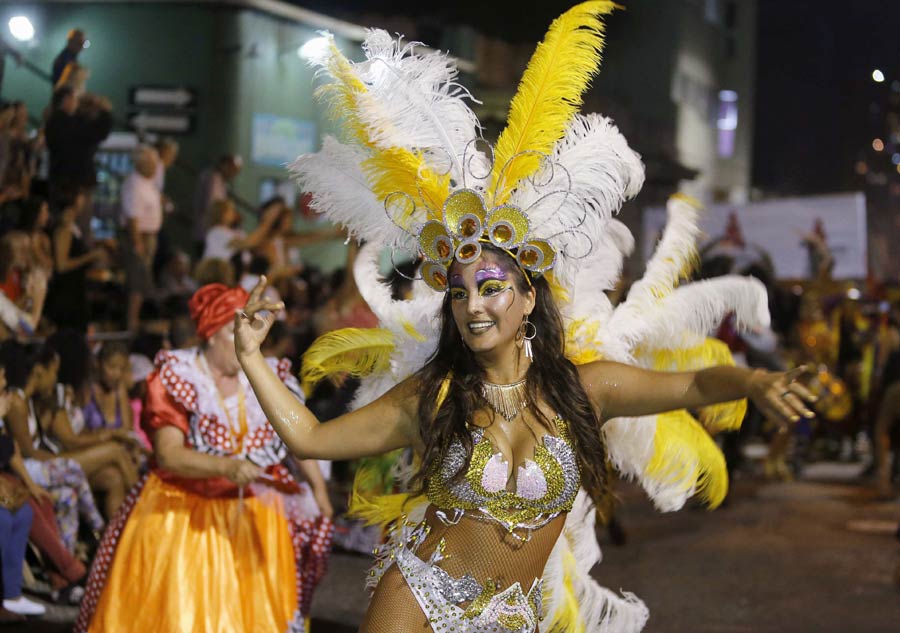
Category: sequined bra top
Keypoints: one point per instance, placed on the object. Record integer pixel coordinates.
(545, 486)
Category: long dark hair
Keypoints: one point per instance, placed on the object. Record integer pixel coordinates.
(551, 378)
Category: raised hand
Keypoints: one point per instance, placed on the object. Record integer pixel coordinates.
(783, 395)
(250, 325)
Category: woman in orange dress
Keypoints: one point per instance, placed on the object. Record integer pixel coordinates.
(219, 536)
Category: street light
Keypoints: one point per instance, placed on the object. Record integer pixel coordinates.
(21, 28)
(878, 76)
(313, 48)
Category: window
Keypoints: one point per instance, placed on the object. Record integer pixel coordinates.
(726, 122)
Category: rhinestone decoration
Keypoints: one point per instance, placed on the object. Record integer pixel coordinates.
(465, 223)
(546, 485)
(456, 590)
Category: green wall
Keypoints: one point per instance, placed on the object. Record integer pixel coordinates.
(238, 62)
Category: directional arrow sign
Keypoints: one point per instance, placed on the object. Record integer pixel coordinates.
(169, 123)
(174, 97)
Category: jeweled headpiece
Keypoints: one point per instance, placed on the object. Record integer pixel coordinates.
(412, 172)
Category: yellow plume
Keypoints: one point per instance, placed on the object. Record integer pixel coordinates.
(685, 454)
(724, 416)
(379, 509)
(393, 169)
(354, 351)
(567, 617)
(342, 95)
(549, 94)
(399, 170)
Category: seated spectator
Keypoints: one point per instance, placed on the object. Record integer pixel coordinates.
(176, 280)
(212, 270)
(34, 218)
(15, 523)
(56, 457)
(67, 303)
(140, 368)
(64, 569)
(107, 406)
(23, 287)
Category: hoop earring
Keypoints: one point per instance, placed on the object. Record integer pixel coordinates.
(525, 336)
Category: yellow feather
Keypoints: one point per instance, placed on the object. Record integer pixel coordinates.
(354, 351)
(342, 94)
(410, 329)
(374, 508)
(399, 170)
(549, 94)
(392, 170)
(684, 452)
(567, 618)
(724, 416)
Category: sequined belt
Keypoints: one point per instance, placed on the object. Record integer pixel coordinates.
(440, 595)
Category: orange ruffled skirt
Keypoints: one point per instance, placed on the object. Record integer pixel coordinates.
(190, 564)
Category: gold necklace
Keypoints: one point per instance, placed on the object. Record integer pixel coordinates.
(507, 400)
(239, 430)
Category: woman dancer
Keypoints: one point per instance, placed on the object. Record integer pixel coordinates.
(219, 536)
(504, 394)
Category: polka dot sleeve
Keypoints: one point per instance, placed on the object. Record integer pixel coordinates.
(160, 408)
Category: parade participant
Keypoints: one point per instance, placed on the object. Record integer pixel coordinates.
(219, 536)
(503, 383)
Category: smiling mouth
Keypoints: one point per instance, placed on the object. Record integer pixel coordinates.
(480, 326)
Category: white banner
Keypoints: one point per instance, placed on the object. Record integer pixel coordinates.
(779, 228)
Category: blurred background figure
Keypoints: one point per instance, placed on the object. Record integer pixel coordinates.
(213, 186)
(142, 214)
(74, 45)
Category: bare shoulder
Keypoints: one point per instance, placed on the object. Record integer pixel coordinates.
(405, 395)
(17, 404)
(599, 371)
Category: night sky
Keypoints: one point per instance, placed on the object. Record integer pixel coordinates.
(815, 116)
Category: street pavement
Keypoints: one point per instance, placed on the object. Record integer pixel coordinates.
(813, 556)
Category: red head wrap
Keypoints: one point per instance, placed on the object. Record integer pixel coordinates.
(213, 306)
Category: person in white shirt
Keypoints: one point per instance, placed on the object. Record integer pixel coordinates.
(143, 215)
(212, 187)
(225, 237)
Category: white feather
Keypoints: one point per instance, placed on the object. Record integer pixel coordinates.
(413, 100)
(420, 314)
(630, 446)
(585, 180)
(341, 191)
(599, 609)
(691, 312)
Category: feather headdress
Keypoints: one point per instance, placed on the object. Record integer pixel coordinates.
(409, 171)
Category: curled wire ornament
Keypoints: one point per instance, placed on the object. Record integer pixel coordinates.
(501, 179)
(564, 244)
(388, 202)
(393, 251)
(476, 153)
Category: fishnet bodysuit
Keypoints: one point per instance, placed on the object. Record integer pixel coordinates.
(479, 546)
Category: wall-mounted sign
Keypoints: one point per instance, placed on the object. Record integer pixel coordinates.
(161, 109)
(278, 140)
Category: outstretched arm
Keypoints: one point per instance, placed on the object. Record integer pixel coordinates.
(380, 427)
(622, 390)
